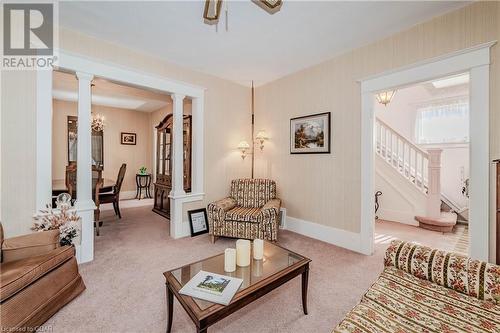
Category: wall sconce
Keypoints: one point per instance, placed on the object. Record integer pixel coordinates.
(261, 137)
(385, 97)
(243, 146)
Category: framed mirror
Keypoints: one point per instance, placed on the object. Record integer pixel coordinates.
(97, 143)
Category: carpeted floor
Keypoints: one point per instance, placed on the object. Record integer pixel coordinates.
(126, 289)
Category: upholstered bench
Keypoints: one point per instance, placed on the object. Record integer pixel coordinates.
(428, 290)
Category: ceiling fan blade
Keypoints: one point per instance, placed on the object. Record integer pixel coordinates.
(212, 11)
(270, 6)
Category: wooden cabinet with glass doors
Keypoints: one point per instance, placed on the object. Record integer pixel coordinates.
(163, 180)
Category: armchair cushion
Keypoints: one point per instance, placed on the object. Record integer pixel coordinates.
(29, 245)
(16, 275)
(242, 214)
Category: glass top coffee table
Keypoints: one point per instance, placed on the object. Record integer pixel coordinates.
(262, 276)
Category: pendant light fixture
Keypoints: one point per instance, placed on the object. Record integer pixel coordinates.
(385, 97)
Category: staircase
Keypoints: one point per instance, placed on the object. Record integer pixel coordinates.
(419, 168)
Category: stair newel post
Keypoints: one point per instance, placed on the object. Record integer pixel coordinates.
(434, 183)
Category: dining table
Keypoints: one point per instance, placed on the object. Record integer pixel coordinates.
(59, 186)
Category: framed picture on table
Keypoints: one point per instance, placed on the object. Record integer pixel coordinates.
(198, 221)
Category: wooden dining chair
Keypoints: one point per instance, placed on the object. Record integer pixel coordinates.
(97, 211)
(70, 179)
(114, 196)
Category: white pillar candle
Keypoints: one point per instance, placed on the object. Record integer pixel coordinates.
(242, 252)
(230, 260)
(258, 249)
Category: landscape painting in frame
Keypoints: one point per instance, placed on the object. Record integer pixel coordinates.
(310, 134)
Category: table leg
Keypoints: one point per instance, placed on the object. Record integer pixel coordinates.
(305, 280)
(148, 187)
(137, 184)
(170, 305)
(201, 330)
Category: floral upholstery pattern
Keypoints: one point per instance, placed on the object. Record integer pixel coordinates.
(252, 211)
(428, 290)
(471, 277)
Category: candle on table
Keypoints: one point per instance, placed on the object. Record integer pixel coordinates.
(258, 249)
(242, 252)
(230, 260)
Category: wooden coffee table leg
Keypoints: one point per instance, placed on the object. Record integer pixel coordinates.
(305, 280)
(170, 305)
(201, 330)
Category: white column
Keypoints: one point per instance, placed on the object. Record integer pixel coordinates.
(43, 138)
(434, 183)
(176, 195)
(197, 146)
(84, 204)
(178, 147)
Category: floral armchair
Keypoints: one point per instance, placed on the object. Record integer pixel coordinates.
(251, 211)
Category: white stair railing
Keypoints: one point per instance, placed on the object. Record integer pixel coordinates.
(421, 168)
(408, 159)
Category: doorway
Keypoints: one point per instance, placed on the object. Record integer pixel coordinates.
(422, 141)
(474, 61)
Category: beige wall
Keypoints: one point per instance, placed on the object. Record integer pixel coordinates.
(116, 121)
(325, 189)
(227, 119)
(18, 151)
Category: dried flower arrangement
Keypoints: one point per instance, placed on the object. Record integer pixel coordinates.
(66, 222)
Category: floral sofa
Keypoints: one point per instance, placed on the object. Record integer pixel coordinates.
(251, 211)
(427, 290)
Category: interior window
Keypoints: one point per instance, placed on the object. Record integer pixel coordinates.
(444, 122)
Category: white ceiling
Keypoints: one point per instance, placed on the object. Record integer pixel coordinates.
(258, 46)
(107, 93)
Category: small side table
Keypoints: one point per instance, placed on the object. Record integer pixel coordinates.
(143, 181)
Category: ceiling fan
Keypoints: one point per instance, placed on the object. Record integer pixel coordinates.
(213, 8)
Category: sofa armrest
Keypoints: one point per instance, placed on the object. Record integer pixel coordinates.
(30, 245)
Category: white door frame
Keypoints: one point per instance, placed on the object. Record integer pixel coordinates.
(476, 61)
(98, 68)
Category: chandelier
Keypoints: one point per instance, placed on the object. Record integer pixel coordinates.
(97, 122)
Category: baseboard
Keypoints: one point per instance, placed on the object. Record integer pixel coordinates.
(346, 239)
(397, 216)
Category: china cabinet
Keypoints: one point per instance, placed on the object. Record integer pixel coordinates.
(163, 179)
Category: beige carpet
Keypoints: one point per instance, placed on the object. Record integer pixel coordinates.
(126, 290)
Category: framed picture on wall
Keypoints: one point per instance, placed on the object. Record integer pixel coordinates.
(198, 221)
(128, 138)
(310, 134)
